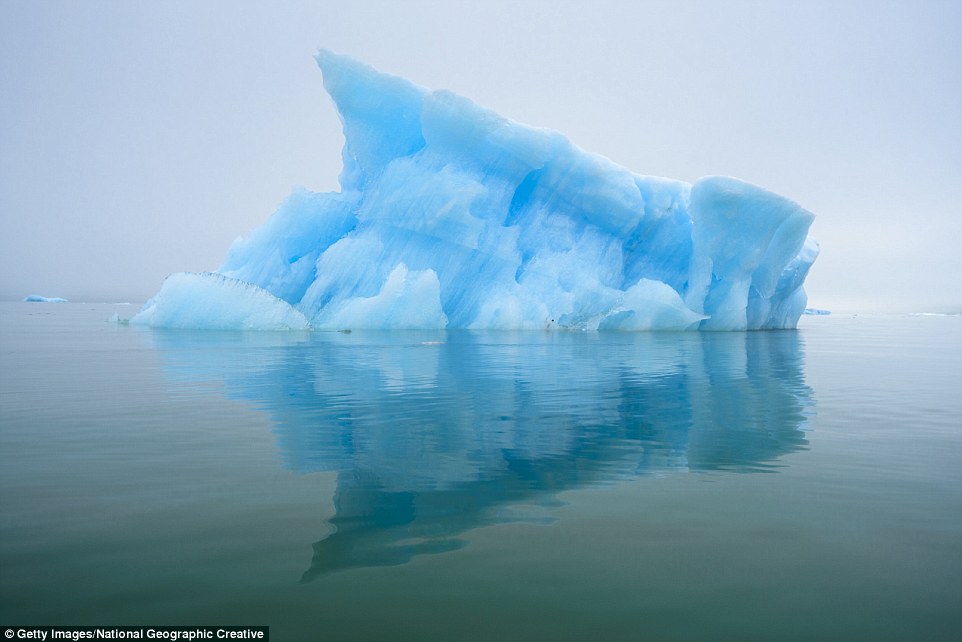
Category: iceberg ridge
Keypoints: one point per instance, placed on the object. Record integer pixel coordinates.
(452, 216)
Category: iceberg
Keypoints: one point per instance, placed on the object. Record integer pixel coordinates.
(452, 216)
(36, 298)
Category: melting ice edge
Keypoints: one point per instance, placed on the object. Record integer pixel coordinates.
(452, 216)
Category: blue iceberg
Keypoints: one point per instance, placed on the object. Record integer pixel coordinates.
(452, 216)
(36, 298)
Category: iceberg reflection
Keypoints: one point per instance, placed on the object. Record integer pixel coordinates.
(433, 434)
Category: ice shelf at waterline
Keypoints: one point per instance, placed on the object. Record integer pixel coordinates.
(451, 216)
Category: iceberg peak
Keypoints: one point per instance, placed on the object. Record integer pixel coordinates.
(453, 216)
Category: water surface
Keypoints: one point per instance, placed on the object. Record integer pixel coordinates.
(458, 485)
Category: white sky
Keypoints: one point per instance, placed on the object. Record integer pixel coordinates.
(139, 139)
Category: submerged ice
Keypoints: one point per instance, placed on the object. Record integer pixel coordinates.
(451, 216)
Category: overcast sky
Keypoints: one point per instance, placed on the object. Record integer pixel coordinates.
(139, 139)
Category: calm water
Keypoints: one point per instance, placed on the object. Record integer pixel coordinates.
(511, 486)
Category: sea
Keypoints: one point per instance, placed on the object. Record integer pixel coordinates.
(780, 485)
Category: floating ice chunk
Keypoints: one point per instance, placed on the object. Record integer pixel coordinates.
(451, 215)
(212, 301)
(36, 298)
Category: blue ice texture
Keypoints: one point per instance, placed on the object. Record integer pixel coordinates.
(452, 216)
(36, 298)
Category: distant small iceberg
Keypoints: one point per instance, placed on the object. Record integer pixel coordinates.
(816, 312)
(36, 298)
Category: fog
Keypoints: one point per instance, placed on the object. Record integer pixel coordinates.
(139, 139)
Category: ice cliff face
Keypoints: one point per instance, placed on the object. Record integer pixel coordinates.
(451, 216)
